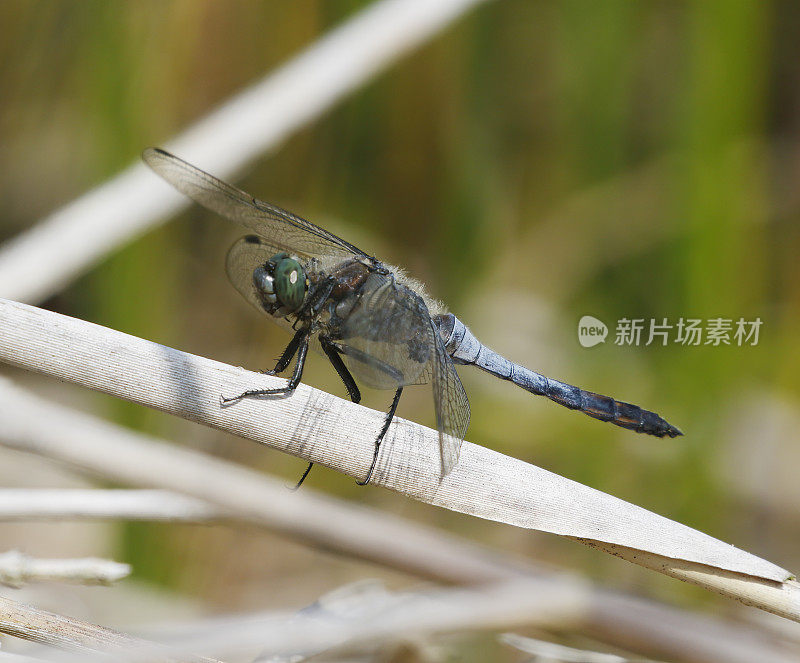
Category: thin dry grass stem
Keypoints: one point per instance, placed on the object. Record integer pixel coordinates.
(97, 504)
(644, 626)
(74, 635)
(542, 651)
(17, 569)
(363, 619)
(365, 616)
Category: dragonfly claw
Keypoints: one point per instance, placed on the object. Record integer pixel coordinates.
(225, 400)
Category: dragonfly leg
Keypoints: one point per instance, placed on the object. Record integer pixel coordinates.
(332, 351)
(303, 478)
(389, 417)
(292, 383)
(369, 360)
(288, 353)
(349, 383)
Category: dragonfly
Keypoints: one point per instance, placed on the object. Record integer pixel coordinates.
(369, 319)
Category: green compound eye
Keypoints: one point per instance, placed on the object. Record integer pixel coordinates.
(290, 282)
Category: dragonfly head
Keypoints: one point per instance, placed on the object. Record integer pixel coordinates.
(281, 284)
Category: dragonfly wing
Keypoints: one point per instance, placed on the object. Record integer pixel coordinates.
(284, 230)
(386, 334)
(243, 258)
(391, 341)
(452, 406)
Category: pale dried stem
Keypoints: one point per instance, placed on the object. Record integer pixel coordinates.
(17, 569)
(29, 623)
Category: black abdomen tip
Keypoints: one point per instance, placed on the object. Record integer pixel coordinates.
(652, 424)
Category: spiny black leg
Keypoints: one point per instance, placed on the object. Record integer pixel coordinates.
(333, 354)
(291, 385)
(389, 417)
(349, 383)
(369, 360)
(303, 478)
(288, 353)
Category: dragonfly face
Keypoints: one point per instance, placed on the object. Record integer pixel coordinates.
(280, 284)
(370, 321)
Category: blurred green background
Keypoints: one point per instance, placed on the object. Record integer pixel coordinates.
(534, 163)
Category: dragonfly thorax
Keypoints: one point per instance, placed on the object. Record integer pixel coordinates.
(281, 284)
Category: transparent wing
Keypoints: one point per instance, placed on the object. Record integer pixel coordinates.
(386, 334)
(396, 344)
(283, 229)
(243, 257)
(452, 406)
